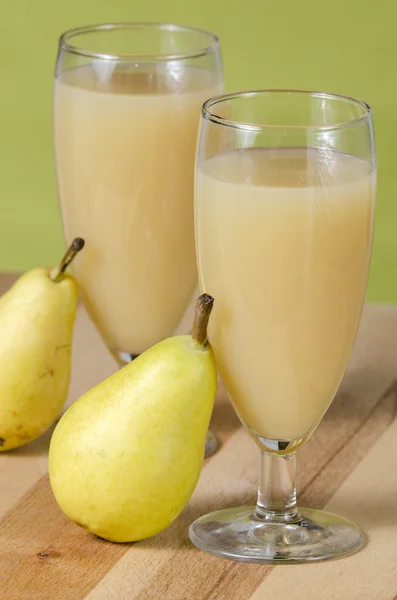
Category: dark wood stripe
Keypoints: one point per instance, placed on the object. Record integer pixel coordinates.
(59, 557)
(234, 582)
(351, 438)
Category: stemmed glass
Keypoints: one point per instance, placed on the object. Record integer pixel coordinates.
(127, 107)
(285, 189)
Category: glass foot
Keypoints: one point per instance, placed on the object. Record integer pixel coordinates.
(238, 534)
(211, 444)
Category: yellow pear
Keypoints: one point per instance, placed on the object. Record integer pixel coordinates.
(36, 326)
(126, 457)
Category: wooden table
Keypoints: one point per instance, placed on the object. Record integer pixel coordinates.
(349, 465)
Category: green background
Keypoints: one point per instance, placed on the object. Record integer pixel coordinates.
(343, 46)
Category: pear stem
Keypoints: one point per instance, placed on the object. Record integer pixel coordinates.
(74, 248)
(201, 317)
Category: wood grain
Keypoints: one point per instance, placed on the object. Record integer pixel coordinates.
(43, 555)
(350, 465)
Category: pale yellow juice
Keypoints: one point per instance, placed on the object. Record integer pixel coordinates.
(125, 141)
(283, 240)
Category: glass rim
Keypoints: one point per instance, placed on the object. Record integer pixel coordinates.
(209, 115)
(66, 37)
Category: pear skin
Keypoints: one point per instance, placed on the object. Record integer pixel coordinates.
(36, 323)
(125, 458)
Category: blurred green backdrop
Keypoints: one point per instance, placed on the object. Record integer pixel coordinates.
(343, 46)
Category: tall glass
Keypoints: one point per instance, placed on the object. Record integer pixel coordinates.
(285, 189)
(127, 108)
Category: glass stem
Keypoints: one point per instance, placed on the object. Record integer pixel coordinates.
(277, 489)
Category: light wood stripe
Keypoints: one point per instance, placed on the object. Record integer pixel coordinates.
(20, 470)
